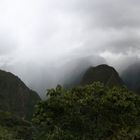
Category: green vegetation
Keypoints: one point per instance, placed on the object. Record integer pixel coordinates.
(13, 127)
(104, 74)
(16, 97)
(17, 103)
(5, 134)
(91, 112)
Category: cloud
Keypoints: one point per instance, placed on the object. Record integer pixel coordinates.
(7, 43)
(111, 14)
(42, 40)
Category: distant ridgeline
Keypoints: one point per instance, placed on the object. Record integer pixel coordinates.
(15, 96)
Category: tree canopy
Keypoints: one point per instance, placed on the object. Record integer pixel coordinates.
(89, 112)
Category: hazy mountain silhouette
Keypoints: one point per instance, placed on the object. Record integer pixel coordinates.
(131, 76)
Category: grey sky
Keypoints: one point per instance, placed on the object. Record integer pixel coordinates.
(39, 38)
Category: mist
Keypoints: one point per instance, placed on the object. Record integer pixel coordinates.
(45, 41)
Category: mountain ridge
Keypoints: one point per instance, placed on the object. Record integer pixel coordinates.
(15, 96)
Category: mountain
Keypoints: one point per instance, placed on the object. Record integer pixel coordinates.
(75, 69)
(103, 73)
(131, 76)
(15, 96)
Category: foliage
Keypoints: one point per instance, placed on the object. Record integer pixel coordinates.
(13, 126)
(5, 134)
(87, 113)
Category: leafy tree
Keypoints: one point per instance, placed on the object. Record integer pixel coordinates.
(6, 134)
(87, 113)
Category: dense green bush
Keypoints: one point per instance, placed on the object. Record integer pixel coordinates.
(91, 112)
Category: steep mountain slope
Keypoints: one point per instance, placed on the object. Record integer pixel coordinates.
(131, 76)
(15, 96)
(103, 73)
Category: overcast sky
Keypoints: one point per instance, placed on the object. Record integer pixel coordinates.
(43, 39)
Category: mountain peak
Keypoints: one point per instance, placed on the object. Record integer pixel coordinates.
(102, 73)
